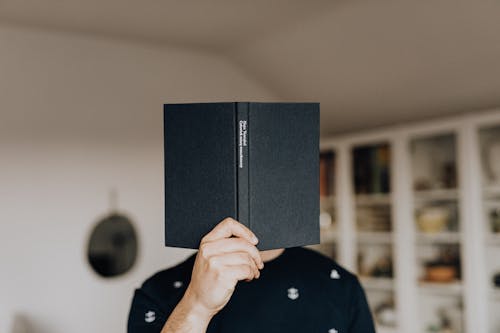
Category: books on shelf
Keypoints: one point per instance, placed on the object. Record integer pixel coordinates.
(436, 195)
(374, 237)
(371, 169)
(438, 237)
(373, 199)
(373, 283)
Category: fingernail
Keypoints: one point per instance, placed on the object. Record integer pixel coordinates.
(255, 240)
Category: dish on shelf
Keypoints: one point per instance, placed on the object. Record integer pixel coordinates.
(385, 314)
(433, 219)
(325, 220)
(441, 274)
(381, 267)
(449, 321)
(444, 267)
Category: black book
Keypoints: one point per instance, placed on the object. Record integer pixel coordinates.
(255, 162)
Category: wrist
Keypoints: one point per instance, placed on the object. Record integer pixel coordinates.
(197, 310)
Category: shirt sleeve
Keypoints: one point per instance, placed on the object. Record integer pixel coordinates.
(145, 315)
(361, 317)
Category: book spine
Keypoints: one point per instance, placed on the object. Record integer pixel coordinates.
(242, 168)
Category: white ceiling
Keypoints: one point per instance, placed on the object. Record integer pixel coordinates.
(213, 24)
(369, 62)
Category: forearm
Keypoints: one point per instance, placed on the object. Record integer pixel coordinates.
(187, 317)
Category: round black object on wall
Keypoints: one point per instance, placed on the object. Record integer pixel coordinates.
(112, 247)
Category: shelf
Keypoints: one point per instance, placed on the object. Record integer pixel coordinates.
(436, 195)
(447, 237)
(373, 199)
(491, 203)
(439, 175)
(327, 250)
(327, 199)
(374, 237)
(444, 289)
(374, 283)
(386, 329)
(491, 191)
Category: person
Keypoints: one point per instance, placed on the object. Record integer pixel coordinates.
(231, 286)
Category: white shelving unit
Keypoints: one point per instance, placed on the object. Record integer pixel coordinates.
(472, 301)
(489, 156)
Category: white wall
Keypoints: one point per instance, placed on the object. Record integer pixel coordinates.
(79, 116)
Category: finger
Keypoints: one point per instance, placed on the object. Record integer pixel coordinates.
(232, 259)
(227, 245)
(230, 227)
(231, 245)
(240, 272)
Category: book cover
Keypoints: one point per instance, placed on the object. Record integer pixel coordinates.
(255, 162)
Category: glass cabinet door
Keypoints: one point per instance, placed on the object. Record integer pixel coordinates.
(438, 233)
(489, 140)
(327, 216)
(373, 225)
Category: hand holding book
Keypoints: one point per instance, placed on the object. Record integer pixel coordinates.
(227, 254)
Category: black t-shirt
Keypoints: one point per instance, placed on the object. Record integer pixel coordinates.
(298, 291)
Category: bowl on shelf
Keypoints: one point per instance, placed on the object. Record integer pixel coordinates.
(385, 314)
(433, 219)
(440, 273)
(325, 220)
(382, 268)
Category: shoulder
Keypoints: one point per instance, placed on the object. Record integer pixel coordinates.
(157, 297)
(165, 281)
(341, 290)
(317, 263)
(328, 276)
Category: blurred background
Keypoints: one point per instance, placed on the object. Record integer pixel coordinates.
(410, 146)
